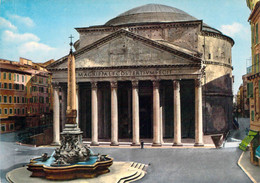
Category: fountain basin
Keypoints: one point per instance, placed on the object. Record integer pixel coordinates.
(88, 169)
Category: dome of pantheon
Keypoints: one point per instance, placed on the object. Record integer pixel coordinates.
(154, 13)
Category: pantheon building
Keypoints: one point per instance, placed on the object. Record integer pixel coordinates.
(153, 72)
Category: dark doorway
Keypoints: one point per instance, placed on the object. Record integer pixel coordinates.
(85, 109)
(124, 109)
(145, 114)
(187, 108)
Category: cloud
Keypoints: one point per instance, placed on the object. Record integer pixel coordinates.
(31, 47)
(235, 29)
(5, 24)
(27, 21)
(9, 36)
(36, 51)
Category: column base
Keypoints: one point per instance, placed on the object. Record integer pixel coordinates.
(55, 144)
(177, 144)
(136, 144)
(114, 144)
(157, 144)
(94, 144)
(199, 145)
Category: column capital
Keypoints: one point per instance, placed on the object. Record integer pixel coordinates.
(198, 82)
(135, 84)
(176, 84)
(94, 85)
(156, 83)
(113, 84)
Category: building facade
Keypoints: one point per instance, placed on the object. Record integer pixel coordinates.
(254, 78)
(24, 95)
(152, 72)
(242, 101)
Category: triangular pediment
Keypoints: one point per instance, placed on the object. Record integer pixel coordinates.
(124, 48)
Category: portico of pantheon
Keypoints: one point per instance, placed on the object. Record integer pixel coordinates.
(152, 72)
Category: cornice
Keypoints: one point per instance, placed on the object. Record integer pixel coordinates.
(253, 76)
(216, 35)
(140, 26)
(132, 67)
(218, 94)
(217, 63)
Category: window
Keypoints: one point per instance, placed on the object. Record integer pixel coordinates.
(17, 77)
(10, 99)
(11, 126)
(252, 115)
(14, 77)
(2, 127)
(256, 64)
(14, 111)
(256, 33)
(22, 99)
(4, 75)
(18, 111)
(5, 99)
(253, 34)
(0, 98)
(0, 85)
(22, 87)
(5, 85)
(250, 90)
(22, 78)
(10, 111)
(14, 99)
(0, 111)
(10, 85)
(25, 78)
(10, 76)
(47, 100)
(209, 56)
(6, 111)
(23, 110)
(18, 100)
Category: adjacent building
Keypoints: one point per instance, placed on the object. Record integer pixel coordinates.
(254, 79)
(152, 72)
(25, 95)
(242, 101)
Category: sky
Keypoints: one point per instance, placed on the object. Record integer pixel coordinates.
(39, 29)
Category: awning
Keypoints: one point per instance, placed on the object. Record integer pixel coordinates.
(257, 152)
(243, 145)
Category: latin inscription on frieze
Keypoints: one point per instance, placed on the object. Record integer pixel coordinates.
(119, 73)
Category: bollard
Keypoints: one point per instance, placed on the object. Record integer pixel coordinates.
(142, 144)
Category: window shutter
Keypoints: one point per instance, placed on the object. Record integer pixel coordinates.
(253, 34)
(256, 34)
(252, 115)
(250, 90)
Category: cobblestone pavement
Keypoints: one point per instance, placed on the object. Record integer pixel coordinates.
(165, 164)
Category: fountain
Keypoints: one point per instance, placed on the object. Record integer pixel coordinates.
(72, 159)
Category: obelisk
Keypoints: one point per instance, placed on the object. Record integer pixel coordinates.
(72, 149)
(71, 112)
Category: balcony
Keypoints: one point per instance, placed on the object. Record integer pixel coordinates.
(249, 70)
(253, 69)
